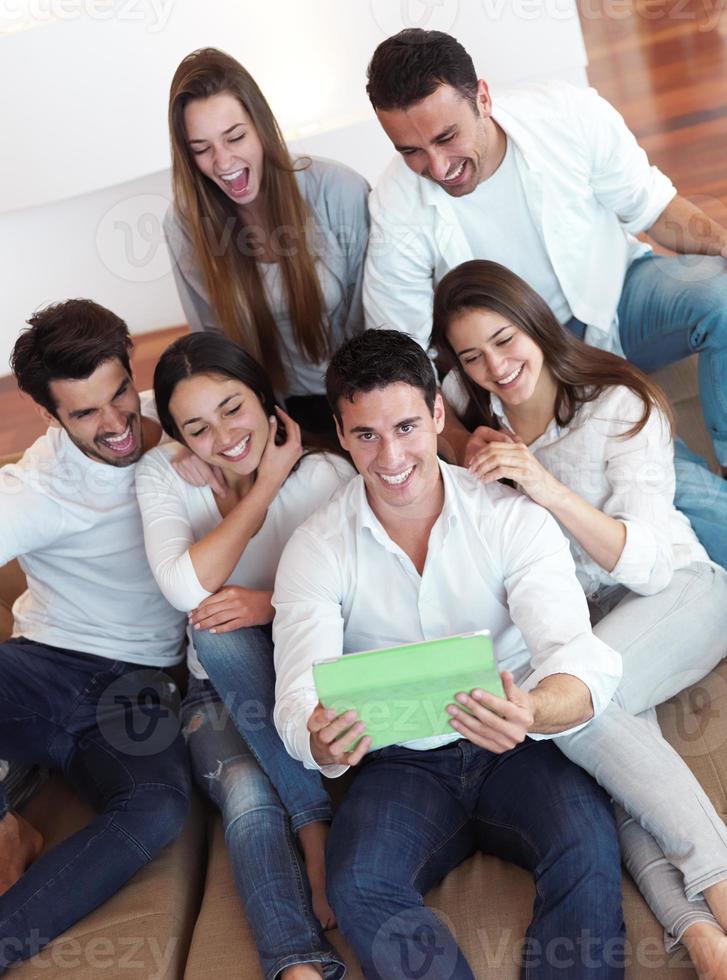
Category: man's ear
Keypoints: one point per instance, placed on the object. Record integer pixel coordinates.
(484, 99)
(438, 412)
(47, 417)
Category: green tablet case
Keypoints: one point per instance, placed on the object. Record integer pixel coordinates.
(401, 693)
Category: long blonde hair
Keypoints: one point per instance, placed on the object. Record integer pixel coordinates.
(233, 279)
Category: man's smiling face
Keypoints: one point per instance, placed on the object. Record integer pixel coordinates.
(392, 437)
(444, 138)
(101, 414)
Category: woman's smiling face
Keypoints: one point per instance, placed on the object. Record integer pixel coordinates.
(222, 421)
(497, 355)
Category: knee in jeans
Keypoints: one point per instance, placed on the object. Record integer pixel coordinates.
(355, 887)
(593, 857)
(154, 816)
(244, 787)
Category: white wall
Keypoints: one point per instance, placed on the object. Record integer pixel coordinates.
(83, 179)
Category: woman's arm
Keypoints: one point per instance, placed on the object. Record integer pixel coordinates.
(629, 536)
(215, 556)
(603, 537)
(168, 531)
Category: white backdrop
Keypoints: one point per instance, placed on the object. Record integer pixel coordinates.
(83, 173)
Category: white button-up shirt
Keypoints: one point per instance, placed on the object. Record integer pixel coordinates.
(495, 561)
(631, 480)
(589, 187)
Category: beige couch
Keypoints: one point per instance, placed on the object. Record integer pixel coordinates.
(180, 915)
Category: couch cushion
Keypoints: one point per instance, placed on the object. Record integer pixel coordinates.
(144, 931)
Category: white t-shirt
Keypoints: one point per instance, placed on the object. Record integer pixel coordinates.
(488, 216)
(175, 515)
(74, 525)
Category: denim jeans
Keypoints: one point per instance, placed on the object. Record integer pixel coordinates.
(112, 729)
(410, 817)
(241, 669)
(671, 307)
(269, 875)
(668, 642)
(674, 306)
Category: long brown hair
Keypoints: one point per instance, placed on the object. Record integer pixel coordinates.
(581, 372)
(233, 279)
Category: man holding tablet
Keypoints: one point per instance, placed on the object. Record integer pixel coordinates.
(413, 549)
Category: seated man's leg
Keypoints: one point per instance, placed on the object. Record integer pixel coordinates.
(241, 668)
(269, 873)
(539, 811)
(702, 496)
(674, 306)
(397, 833)
(25, 737)
(116, 737)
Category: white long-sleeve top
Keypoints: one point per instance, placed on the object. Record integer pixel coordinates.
(495, 561)
(74, 526)
(589, 189)
(630, 479)
(176, 514)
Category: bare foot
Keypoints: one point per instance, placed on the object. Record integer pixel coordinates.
(707, 947)
(20, 845)
(302, 971)
(312, 840)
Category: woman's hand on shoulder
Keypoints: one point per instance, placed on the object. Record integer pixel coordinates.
(513, 461)
(277, 461)
(480, 439)
(197, 473)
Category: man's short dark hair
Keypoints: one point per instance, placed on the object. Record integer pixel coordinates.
(67, 341)
(412, 64)
(376, 359)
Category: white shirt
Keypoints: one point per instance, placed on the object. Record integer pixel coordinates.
(176, 514)
(495, 561)
(631, 480)
(74, 525)
(589, 189)
(487, 217)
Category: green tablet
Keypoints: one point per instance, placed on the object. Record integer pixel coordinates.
(402, 693)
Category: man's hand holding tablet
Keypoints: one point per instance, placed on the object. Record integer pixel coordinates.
(494, 723)
(331, 735)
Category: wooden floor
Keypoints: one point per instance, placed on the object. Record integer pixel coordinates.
(662, 63)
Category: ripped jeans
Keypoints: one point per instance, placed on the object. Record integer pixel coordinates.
(266, 864)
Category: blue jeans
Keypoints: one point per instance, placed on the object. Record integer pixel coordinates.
(410, 817)
(241, 669)
(269, 875)
(112, 729)
(674, 306)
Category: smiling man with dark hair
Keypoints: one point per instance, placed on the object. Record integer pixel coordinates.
(547, 180)
(82, 683)
(413, 549)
